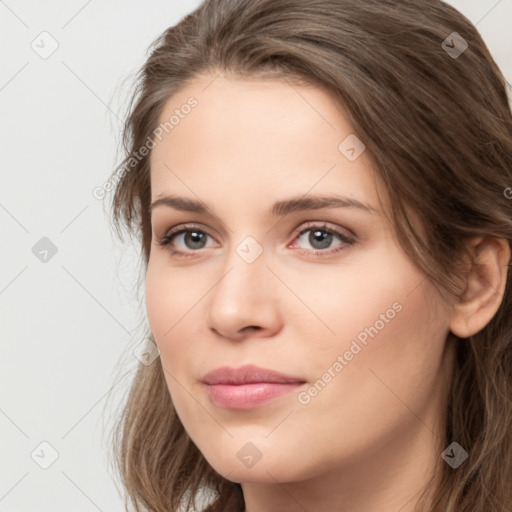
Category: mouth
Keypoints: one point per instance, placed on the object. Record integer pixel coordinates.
(247, 387)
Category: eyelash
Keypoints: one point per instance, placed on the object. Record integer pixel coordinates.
(166, 240)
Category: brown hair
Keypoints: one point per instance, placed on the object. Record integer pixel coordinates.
(439, 132)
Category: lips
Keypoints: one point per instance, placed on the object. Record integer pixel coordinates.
(248, 386)
(247, 374)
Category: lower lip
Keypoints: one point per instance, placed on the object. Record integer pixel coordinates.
(248, 396)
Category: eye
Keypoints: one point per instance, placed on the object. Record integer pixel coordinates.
(185, 240)
(320, 238)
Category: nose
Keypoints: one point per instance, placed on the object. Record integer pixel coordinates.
(245, 301)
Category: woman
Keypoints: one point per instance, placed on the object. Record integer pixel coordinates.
(320, 189)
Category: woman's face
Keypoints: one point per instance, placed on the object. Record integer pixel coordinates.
(288, 264)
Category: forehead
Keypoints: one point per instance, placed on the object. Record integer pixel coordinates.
(254, 135)
(253, 107)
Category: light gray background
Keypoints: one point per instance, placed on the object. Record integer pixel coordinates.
(66, 322)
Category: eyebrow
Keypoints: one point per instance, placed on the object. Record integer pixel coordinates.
(280, 208)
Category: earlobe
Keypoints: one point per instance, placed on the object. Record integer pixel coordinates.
(484, 286)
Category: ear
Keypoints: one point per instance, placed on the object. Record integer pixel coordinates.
(484, 286)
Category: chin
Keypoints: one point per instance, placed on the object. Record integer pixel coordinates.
(258, 474)
(268, 469)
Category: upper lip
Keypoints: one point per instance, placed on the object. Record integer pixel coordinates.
(247, 374)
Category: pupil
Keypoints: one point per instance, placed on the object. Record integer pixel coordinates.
(320, 239)
(194, 240)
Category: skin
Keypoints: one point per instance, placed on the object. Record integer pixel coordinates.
(369, 440)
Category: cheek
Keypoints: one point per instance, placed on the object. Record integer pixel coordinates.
(161, 301)
(388, 352)
(171, 293)
(170, 307)
(170, 303)
(337, 304)
(380, 320)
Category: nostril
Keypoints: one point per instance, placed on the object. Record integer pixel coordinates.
(253, 327)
